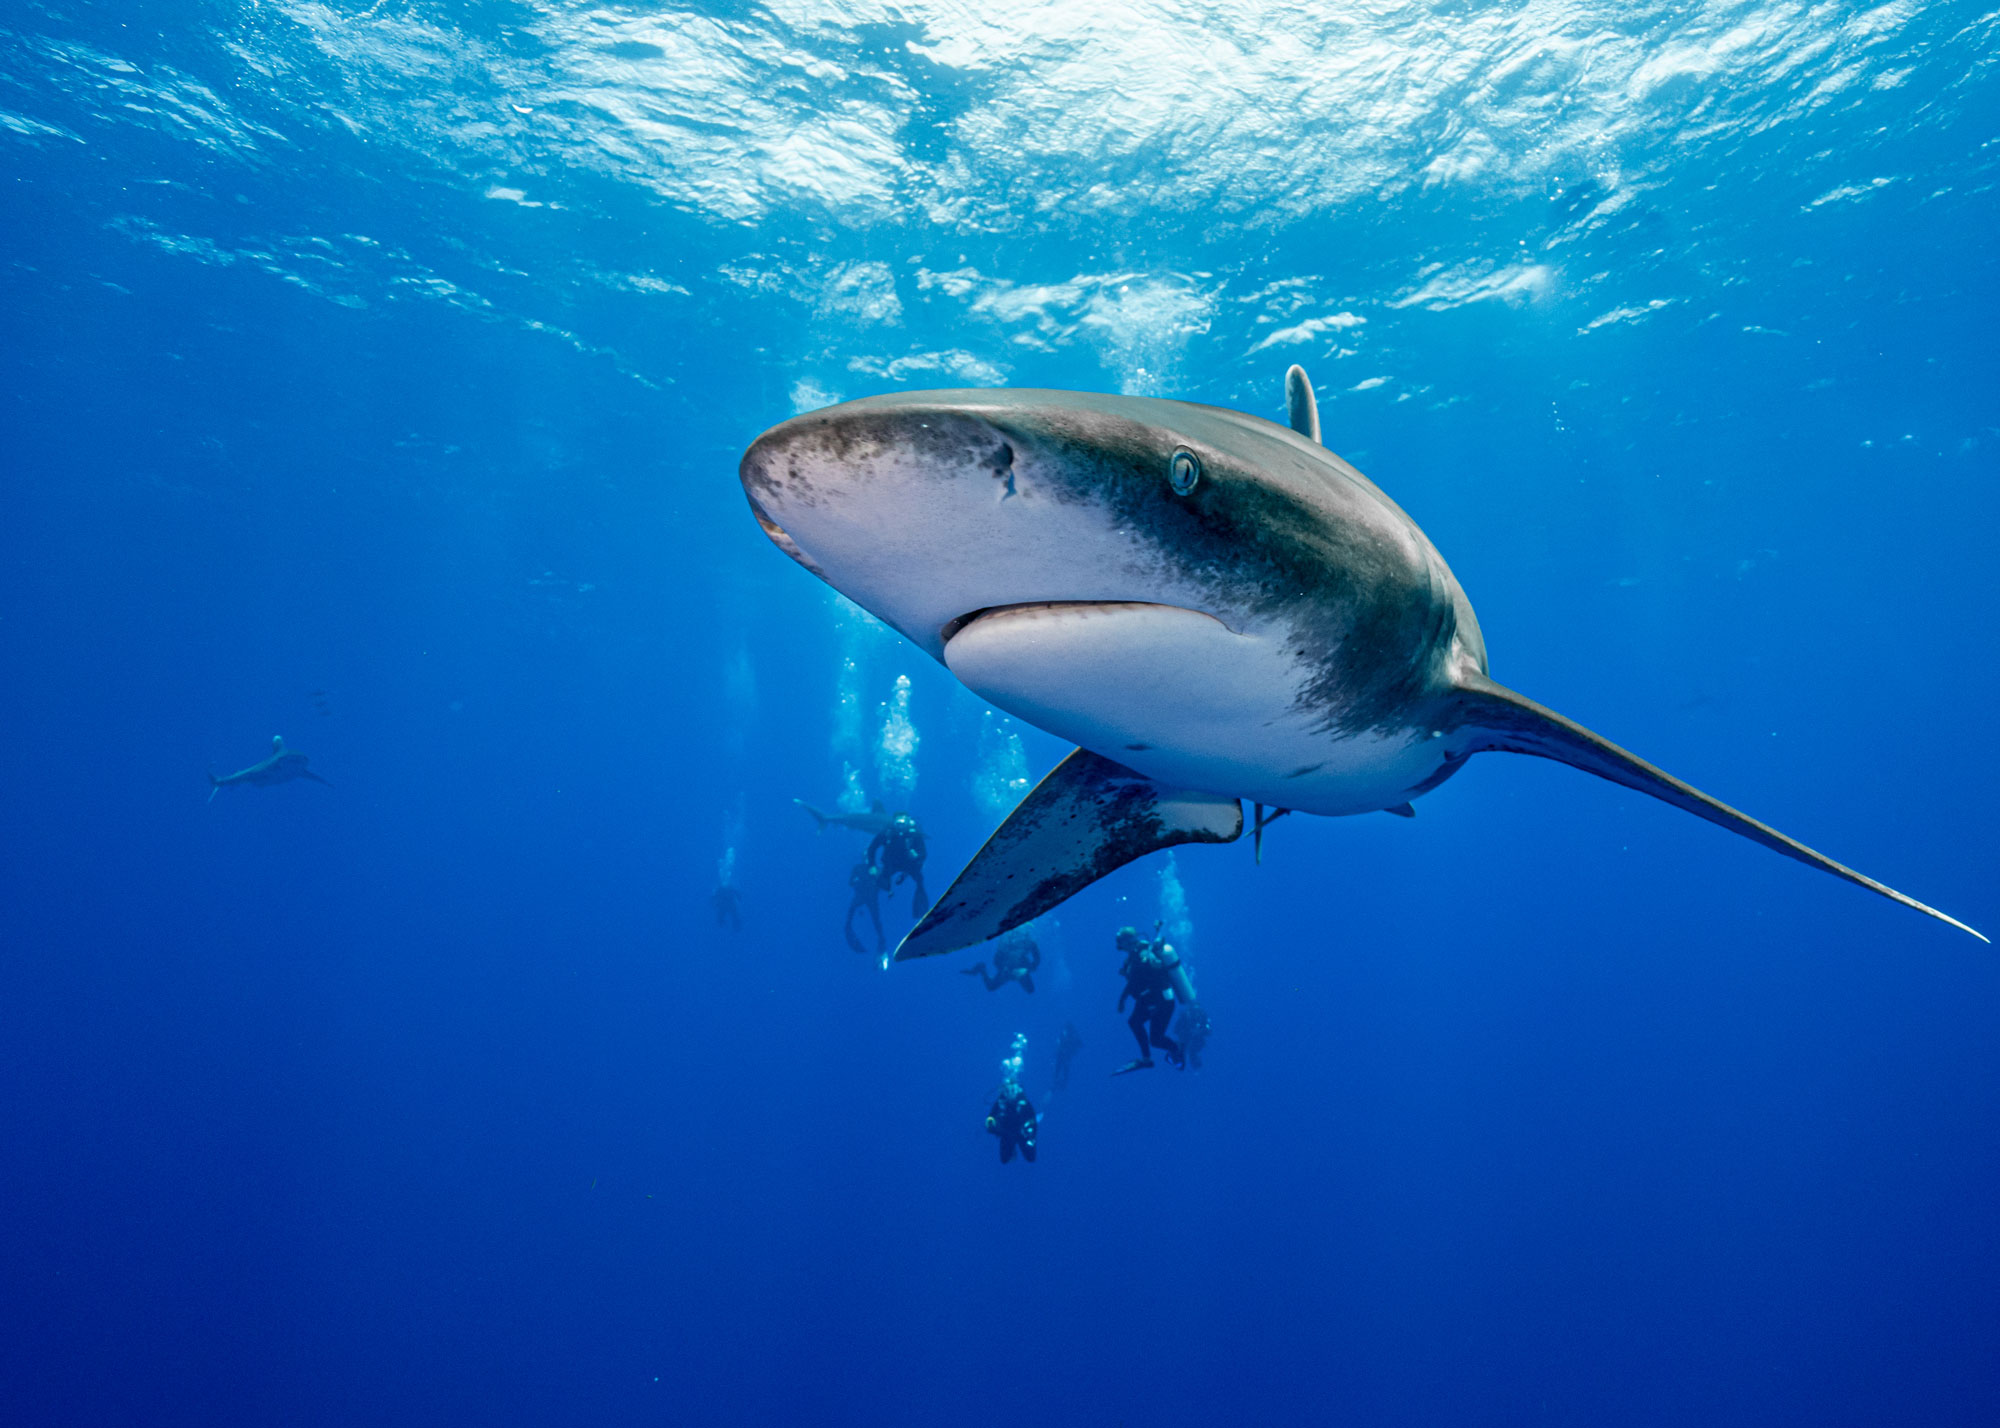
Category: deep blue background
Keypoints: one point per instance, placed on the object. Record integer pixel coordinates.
(436, 1096)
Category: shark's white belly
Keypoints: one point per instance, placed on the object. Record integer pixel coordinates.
(1181, 698)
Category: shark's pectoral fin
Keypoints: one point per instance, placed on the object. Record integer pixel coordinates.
(1508, 721)
(1088, 817)
(308, 773)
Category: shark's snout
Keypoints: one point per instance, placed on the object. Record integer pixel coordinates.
(872, 450)
(782, 539)
(924, 508)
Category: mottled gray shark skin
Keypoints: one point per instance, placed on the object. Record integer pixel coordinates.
(1214, 606)
(282, 766)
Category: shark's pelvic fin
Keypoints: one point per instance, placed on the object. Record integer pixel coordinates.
(1088, 817)
(1403, 810)
(1257, 827)
(1301, 409)
(1518, 725)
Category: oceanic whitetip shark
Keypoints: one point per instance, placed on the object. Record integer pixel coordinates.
(1213, 607)
(872, 822)
(282, 766)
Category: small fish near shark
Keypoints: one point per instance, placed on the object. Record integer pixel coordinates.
(1211, 606)
(282, 766)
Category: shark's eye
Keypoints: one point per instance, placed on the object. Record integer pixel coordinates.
(1183, 470)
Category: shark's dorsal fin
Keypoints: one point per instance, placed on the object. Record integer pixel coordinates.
(1088, 817)
(1301, 408)
(277, 743)
(1509, 721)
(875, 805)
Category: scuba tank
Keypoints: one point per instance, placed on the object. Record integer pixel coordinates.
(1177, 974)
(1180, 986)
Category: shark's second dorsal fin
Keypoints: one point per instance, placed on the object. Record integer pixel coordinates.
(1301, 407)
(1509, 721)
(1087, 818)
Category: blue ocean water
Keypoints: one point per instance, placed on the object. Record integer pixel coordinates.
(375, 374)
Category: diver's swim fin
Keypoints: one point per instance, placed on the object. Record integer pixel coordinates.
(1088, 817)
(1143, 1063)
(1518, 725)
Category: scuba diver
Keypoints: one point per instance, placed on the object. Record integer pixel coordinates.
(1154, 982)
(898, 852)
(1194, 1035)
(728, 905)
(866, 882)
(1012, 1116)
(1014, 960)
(1067, 1046)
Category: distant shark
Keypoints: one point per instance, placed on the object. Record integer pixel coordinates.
(282, 766)
(1212, 606)
(872, 822)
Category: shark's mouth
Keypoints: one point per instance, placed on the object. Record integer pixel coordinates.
(952, 628)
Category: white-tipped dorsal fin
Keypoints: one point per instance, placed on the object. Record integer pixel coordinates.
(1087, 818)
(277, 743)
(1301, 409)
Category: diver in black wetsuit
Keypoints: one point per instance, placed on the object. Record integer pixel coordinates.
(1012, 1118)
(898, 852)
(728, 905)
(1014, 960)
(1152, 973)
(866, 881)
(1067, 1046)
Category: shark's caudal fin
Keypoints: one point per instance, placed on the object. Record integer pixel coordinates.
(1521, 726)
(1301, 409)
(214, 785)
(1088, 817)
